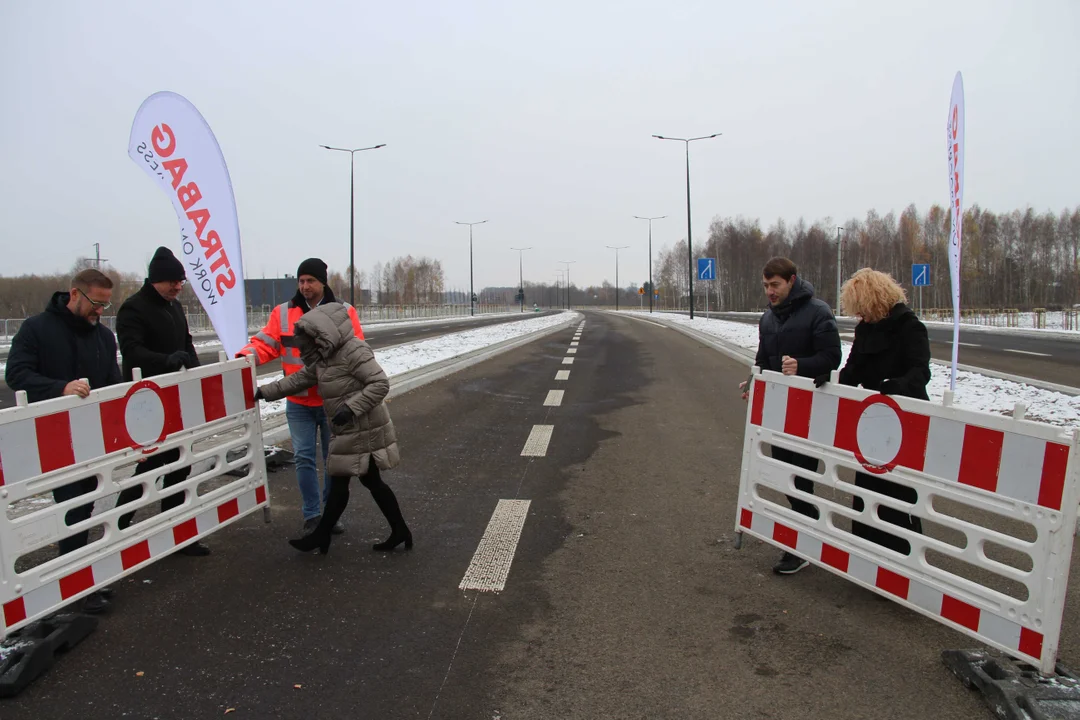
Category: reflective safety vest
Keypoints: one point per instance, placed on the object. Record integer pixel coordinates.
(277, 340)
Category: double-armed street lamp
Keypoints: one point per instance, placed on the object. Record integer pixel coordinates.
(472, 296)
(652, 290)
(617, 249)
(521, 277)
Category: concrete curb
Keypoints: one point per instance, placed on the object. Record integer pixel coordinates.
(743, 354)
(275, 428)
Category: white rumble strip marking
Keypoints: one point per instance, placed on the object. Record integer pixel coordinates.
(568, 361)
(574, 343)
(562, 375)
(554, 398)
(537, 444)
(491, 563)
(571, 351)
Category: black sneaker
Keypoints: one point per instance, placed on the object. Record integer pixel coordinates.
(95, 604)
(789, 564)
(310, 524)
(195, 549)
(338, 529)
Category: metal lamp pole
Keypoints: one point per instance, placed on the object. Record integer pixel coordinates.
(651, 290)
(472, 309)
(839, 267)
(352, 214)
(521, 277)
(617, 249)
(568, 263)
(689, 240)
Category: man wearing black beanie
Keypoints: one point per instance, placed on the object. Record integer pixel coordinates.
(153, 333)
(304, 413)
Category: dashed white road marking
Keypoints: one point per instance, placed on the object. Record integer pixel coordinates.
(574, 343)
(554, 398)
(537, 444)
(400, 333)
(1027, 352)
(562, 375)
(969, 344)
(571, 351)
(490, 563)
(568, 361)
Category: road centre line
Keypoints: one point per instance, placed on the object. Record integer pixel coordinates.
(1027, 352)
(568, 361)
(554, 398)
(490, 564)
(571, 351)
(537, 443)
(562, 375)
(574, 343)
(969, 344)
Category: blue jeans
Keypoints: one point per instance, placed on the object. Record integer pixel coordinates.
(305, 424)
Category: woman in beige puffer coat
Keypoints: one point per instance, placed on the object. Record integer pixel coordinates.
(353, 388)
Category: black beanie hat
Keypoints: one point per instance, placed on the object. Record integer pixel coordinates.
(164, 266)
(314, 267)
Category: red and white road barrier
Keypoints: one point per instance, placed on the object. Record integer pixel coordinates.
(976, 476)
(203, 413)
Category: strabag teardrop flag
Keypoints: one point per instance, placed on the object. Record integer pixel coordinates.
(174, 145)
(955, 141)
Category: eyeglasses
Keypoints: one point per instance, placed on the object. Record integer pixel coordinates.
(95, 303)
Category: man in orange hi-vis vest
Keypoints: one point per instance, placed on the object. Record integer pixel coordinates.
(304, 413)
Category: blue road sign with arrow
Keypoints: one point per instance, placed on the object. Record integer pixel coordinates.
(920, 275)
(706, 269)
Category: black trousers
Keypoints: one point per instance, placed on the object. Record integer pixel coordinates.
(807, 486)
(153, 463)
(75, 514)
(890, 515)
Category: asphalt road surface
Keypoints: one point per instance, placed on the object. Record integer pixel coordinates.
(624, 599)
(376, 336)
(1044, 357)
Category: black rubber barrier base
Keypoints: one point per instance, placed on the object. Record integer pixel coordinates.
(31, 651)
(1015, 690)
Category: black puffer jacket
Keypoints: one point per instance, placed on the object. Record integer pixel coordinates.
(150, 329)
(802, 327)
(891, 356)
(55, 347)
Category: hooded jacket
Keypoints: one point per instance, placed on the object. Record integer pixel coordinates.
(150, 328)
(891, 356)
(55, 347)
(348, 377)
(802, 327)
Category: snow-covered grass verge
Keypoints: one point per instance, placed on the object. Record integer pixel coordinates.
(973, 390)
(412, 356)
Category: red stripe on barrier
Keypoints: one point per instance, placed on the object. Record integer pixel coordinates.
(213, 398)
(14, 611)
(114, 426)
(174, 416)
(759, 402)
(54, 441)
(913, 445)
(981, 457)
(893, 583)
(135, 555)
(847, 425)
(228, 510)
(1031, 642)
(785, 535)
(76, 582)
(1, 472)
(249, 391)
(797, 418)
(960, 612)
(745, 517)
(1052, 485)
(185, 531)
(260, 495)
(835, 557)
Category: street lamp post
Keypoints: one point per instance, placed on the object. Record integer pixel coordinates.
(568, 263)
(652, 291)
(689, 240)
(521, 277)
(839, 267)
(617, 249)
(352, 214)
(558, 288)
(472, 309)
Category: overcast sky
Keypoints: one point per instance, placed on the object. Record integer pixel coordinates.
(534, 116)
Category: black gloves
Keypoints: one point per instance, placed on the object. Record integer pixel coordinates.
(887, 388)
(343, 417)
(258, 394)
(821, 380)
(179, 359)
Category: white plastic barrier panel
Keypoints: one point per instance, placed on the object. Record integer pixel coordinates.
(992, 559)
(208, 416)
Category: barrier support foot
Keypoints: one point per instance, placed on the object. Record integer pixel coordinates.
(31, 651)
(1014, 690)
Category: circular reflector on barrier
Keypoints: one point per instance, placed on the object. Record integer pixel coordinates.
(144, 414)
(879, 434)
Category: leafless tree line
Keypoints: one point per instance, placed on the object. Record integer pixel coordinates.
(1017, 260)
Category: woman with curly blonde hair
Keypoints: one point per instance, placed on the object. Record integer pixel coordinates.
(891, 354)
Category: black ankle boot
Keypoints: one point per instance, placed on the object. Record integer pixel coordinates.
(319, 539)
(399, 532)
(397, 536)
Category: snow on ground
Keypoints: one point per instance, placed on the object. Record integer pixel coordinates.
(973, 390)
(411, 356)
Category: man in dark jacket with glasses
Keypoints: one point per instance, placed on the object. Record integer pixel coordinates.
(67, 351)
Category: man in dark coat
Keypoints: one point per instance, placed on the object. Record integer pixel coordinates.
(67, 351)
(154, 337)
(797, 335)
